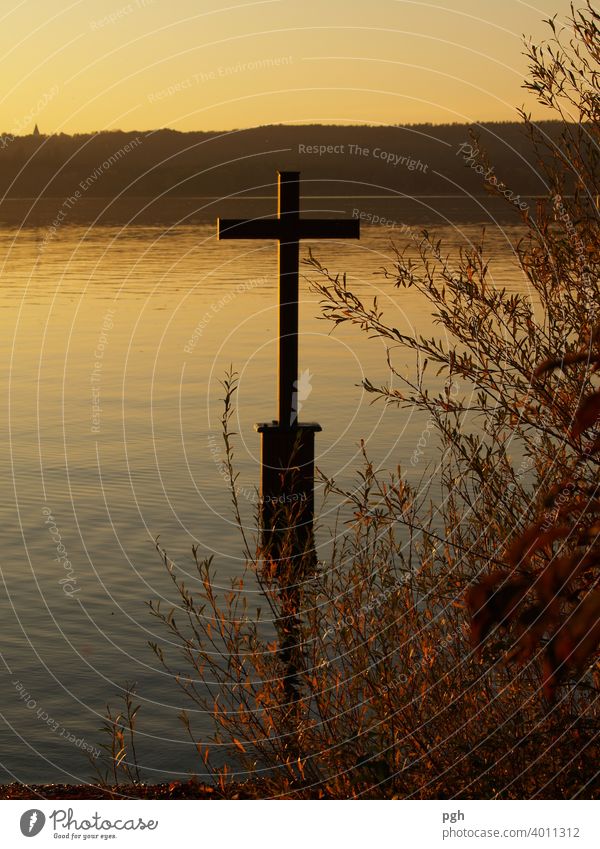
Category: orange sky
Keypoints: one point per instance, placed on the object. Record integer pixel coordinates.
(83, 65)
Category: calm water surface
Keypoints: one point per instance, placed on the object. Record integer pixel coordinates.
(113, 345)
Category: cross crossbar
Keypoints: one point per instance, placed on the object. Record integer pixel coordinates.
(287, 231)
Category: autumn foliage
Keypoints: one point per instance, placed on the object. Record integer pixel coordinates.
(448, 645)
(550, 594)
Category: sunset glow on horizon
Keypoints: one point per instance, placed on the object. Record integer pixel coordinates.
(82, 66)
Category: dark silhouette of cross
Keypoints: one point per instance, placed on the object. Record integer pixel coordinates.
(288, 228)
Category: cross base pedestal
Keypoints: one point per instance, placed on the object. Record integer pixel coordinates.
(287, 488)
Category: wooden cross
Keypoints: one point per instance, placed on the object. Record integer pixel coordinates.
(288, 228)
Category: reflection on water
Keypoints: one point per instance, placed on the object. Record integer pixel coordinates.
(113, 345)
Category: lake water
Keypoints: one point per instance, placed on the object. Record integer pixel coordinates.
(113, 406)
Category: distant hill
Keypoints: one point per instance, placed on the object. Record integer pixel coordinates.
(414, 160)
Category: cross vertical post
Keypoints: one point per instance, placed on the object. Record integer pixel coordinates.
(288, 211)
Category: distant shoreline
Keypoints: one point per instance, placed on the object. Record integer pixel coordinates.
(181, 211)
(149, 175)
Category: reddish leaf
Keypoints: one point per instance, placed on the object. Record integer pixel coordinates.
(530, 627)
(537, 536)
(557, 489)
(587, 414)
(585, 630)
(551, 672)
(594, 447)
(556, 577)
(574, 357)
(583, 504)
(573, 644)
(493, 601)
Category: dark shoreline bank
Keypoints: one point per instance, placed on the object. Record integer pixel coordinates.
(396, 210)
(167, 790)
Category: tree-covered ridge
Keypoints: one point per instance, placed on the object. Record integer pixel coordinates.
(348, 160)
